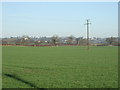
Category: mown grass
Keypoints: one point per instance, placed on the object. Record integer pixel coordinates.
(60, 67)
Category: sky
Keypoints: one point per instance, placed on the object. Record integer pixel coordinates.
(59, 18)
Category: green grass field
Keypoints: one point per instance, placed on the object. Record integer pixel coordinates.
(60, 67)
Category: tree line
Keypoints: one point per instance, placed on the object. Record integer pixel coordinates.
(56, 40)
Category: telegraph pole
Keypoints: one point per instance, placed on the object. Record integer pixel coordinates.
(87, 27)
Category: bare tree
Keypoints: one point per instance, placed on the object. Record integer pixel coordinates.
(112, 41)
(70, 39)
(18, 42)
(78, 40)
(55, 39)
(4, 42)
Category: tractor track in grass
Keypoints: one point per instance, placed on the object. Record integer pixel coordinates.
(23, 81)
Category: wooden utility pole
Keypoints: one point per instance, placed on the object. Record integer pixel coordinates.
(87, 25)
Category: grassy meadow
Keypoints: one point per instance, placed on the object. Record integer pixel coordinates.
(59, 67)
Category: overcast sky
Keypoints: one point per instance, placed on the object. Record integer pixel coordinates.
(61, 18)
